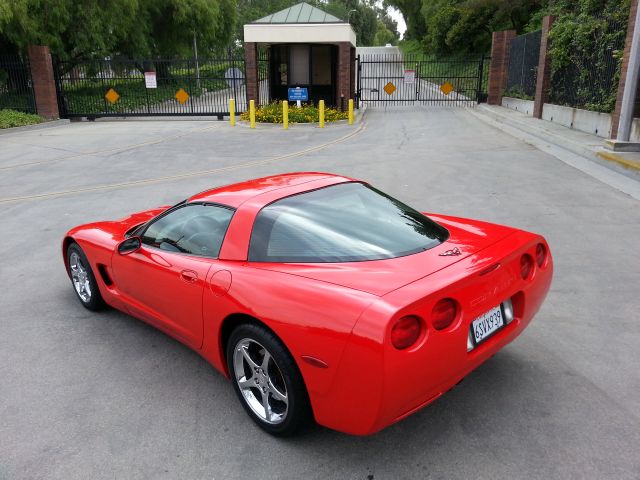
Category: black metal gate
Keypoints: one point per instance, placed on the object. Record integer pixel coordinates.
(151, 87)
(16, 85)
(410, 79)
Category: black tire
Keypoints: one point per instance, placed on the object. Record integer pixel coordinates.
(287, 375)
(93, 301)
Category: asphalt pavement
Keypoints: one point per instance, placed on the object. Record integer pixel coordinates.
(86, 395)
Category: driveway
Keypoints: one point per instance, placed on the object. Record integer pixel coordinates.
(105, 396)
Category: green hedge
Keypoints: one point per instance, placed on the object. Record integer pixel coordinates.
(13, 118)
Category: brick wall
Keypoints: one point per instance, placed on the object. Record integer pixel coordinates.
(344, 87)
(251, 71)
(44, 82)
(500, 46)
(615, 118)
(543, 81)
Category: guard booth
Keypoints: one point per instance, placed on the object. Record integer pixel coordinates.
(307, 48)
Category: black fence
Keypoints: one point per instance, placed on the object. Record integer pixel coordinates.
(589, 78)
(151, 87)
(409, 79)
(524, 55)
(16, 86)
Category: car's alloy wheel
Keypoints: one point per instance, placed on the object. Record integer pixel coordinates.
(260, 381)
(267, 380)
(82, 278)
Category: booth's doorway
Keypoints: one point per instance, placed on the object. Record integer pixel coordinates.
(312, 66)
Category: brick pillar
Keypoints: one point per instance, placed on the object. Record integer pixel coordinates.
(500, 46)
(615, 118)
(251, 71)
(543, 81)
(344, 88)
(44, 81)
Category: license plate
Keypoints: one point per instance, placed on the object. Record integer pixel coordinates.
(487, 324)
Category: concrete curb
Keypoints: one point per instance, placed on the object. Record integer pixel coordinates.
(37, 126)
(580, 143)
(566, 152)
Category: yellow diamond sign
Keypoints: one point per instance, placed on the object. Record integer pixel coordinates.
(182, 96)
(389, 88)
(446, 88)
(111, 96)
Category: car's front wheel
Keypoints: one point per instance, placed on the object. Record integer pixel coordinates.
(82, 278)
(267, 380)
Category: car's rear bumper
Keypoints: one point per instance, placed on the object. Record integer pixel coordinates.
(377, 385)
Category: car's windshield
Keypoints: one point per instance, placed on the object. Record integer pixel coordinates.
(342, 223)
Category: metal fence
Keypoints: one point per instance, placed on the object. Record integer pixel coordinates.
(409, 79)
(151, 87)
(589, 79)
(16, 85)
(524, 55)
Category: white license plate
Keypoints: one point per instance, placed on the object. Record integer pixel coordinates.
(486, 324)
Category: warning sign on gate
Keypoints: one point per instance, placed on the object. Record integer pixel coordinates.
(389, 88)
(409, 76)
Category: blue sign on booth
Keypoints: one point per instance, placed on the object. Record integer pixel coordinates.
(298, 94)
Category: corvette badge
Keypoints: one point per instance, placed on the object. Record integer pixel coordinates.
(454, 252)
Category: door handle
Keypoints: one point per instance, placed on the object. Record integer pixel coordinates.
(188, 276)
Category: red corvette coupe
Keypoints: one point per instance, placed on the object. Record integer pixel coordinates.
(318, 295)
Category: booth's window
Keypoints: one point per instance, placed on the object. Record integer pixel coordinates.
(321, 64)
(299, 65)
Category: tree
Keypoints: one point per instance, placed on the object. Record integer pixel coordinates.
(465, 26)
(411, 11)
(80, 28)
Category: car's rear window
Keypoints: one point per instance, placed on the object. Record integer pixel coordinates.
(348, 222)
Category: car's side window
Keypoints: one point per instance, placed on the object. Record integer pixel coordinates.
(193, 228)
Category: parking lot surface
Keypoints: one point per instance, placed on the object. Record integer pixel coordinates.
(86, 395)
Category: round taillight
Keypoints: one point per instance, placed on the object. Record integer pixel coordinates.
(406, 332)
(443, 313)
(541, 254)
(526, 266)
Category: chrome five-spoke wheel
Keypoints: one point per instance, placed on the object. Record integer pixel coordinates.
(267, 380)
(260, 381)
(80, 277)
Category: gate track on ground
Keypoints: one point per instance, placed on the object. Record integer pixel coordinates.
(111, 150)
(181, 176)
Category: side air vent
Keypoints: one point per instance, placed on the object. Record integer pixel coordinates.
(105, 276)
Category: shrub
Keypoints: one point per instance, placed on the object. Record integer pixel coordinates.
(308, 113)
(13, 118)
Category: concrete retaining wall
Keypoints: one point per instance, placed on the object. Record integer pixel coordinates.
(595, 123)
(524, 106)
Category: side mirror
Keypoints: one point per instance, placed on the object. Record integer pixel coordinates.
(130, 245)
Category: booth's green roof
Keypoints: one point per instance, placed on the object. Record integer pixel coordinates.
(300, 13)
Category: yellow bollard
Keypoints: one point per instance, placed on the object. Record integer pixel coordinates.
(351, 111)
(321, 111)
(285, 114)
(252, 113)
(232, 112)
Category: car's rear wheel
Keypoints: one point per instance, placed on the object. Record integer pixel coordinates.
(267, 380)
(82, 278)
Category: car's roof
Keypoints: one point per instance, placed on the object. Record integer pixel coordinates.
(236, 194)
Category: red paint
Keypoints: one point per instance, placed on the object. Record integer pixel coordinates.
(339, 314)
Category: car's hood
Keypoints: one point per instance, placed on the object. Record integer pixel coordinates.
(380, 277)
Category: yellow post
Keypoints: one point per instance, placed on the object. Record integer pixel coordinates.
(351, 111)
(321, 111)
(285, 114)
(232, 112)
(252, 113)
